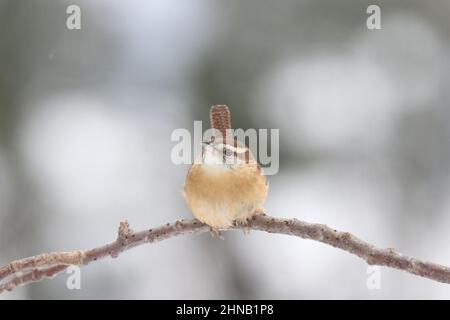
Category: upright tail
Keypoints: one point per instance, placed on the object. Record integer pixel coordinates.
(220, 118)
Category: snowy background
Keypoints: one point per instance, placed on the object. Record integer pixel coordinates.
(86, 118)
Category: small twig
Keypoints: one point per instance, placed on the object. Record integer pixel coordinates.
(34, 275)
(47, 265)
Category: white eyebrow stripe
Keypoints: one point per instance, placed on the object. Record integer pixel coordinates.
(239, 150)
(220, 146)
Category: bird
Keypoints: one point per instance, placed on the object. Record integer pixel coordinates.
(225, 186)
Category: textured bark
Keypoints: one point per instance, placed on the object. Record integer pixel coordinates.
(47, 265)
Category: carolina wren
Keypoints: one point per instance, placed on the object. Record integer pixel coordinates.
(227, 186)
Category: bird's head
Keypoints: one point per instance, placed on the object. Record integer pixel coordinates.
(221, 154)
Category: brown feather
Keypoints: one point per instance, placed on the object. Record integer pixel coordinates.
(220, 118)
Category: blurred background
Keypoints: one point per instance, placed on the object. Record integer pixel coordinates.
(86, 117)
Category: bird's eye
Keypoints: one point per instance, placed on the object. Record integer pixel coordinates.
(228, 152)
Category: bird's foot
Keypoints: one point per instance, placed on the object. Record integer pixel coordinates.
(243, 225)
(215, 233)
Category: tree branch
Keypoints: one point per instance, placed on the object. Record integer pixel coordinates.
(47, 265)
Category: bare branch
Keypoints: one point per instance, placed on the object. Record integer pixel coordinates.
(348, 242)
(47, 265)
(33, 275)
